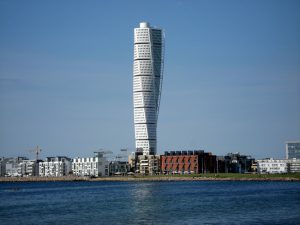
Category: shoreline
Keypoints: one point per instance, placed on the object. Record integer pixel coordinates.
(143, 179)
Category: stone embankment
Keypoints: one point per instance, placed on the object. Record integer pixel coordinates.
(142, 178)
(43, 179)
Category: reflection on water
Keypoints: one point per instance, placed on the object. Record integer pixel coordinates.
(144, 201)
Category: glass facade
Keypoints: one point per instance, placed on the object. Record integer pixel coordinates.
(293, 150)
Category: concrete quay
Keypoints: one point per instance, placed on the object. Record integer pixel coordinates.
(150, 178)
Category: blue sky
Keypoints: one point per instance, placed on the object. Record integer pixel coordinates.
(231, 81)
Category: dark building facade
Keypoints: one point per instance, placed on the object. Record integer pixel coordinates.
(118, 168)
(236, 163)
(188, 162)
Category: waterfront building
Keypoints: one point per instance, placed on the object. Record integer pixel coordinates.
(19, 166)
(55, 166)
(30, 167)
(188, 162)
(220, 164)
(237, 163)
(1, 170)
(118, 168)
(13, 166)
(293, 165)
(132, 162)
(254, 167)
(272, 166)
(292, 150)
(91, 166)
(148, 164)
(147, 83)
(3, 166)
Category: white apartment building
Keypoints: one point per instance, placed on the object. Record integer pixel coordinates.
(147, 84)
(278, 165)
(29, 168)
(55, 166)
(293, 165)
(92, 166)
(13, 167)
(272, 166)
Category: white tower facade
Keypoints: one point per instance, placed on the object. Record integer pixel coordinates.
(147, 83)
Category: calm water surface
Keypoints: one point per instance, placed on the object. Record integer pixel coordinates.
(150, 203)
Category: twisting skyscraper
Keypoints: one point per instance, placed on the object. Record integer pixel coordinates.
(147, 82)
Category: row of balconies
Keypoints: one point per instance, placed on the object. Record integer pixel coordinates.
(182, 163)
(180, 168)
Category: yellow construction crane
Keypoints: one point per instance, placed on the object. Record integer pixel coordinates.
(37, 151)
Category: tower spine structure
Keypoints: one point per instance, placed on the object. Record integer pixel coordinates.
(147, 84)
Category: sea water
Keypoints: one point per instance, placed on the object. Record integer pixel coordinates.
(187, 202)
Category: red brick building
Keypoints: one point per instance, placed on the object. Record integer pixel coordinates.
(186, 162)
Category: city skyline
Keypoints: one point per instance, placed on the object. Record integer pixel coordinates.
(231, 83)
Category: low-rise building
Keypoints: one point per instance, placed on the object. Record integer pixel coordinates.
(237, 163)
(188, 162)
(118, 168)
(55, 166)
(92, 166)
(293, 165)
(13, 166)
(19, 166)
(254, 167)
(3, 166)
(148, 164)
(132, 162)
(272, 166)
(30, 167)
(220, 164)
